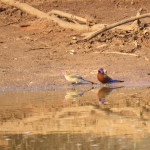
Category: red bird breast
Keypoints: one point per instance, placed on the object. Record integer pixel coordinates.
(104, 78)
(101, 77)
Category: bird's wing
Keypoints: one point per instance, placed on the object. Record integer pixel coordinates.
(75, 76)
(107, 77)
(110, 79)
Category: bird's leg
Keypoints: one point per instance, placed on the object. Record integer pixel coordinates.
(73, 83)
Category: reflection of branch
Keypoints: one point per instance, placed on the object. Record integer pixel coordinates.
(89, 89)
(108, 27)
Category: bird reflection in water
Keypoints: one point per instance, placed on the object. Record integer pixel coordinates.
(73, 94)
(104, 91)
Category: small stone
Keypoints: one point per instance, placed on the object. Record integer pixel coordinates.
(73, 42)
(74, 38)
(72, 52)
(26, 132)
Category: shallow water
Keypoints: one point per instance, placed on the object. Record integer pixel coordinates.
(81, 117)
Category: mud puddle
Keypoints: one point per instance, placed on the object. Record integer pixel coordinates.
(79, 117)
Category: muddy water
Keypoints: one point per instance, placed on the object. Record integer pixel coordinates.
(76, 118)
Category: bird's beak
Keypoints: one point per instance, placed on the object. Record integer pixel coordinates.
(63, 72)
(105, 71)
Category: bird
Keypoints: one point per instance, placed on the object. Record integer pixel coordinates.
(74, 94)
(104, 78)
(74, 78)
(104, 91)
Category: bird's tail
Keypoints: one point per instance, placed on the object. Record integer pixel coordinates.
(87, 81)
(117, 81)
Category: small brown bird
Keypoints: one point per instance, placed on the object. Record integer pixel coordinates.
(74, 78)
(104, 78)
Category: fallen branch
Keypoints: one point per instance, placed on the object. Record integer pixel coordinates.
(69, 16)
(120, 53)
(78, 23)
(10, 23)
(27, 8)
(108, 27)
(33, 11)
(136, 23)
(70, 25)
(146, 58)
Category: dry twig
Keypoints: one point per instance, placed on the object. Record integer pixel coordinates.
(108, 27)
(120, 53)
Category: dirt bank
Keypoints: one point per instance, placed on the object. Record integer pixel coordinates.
(33, 56)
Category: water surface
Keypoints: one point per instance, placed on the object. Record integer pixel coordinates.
(76, 118)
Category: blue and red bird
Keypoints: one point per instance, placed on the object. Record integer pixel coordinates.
(104, 78)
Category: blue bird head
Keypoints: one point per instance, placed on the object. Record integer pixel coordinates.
(101, 70)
